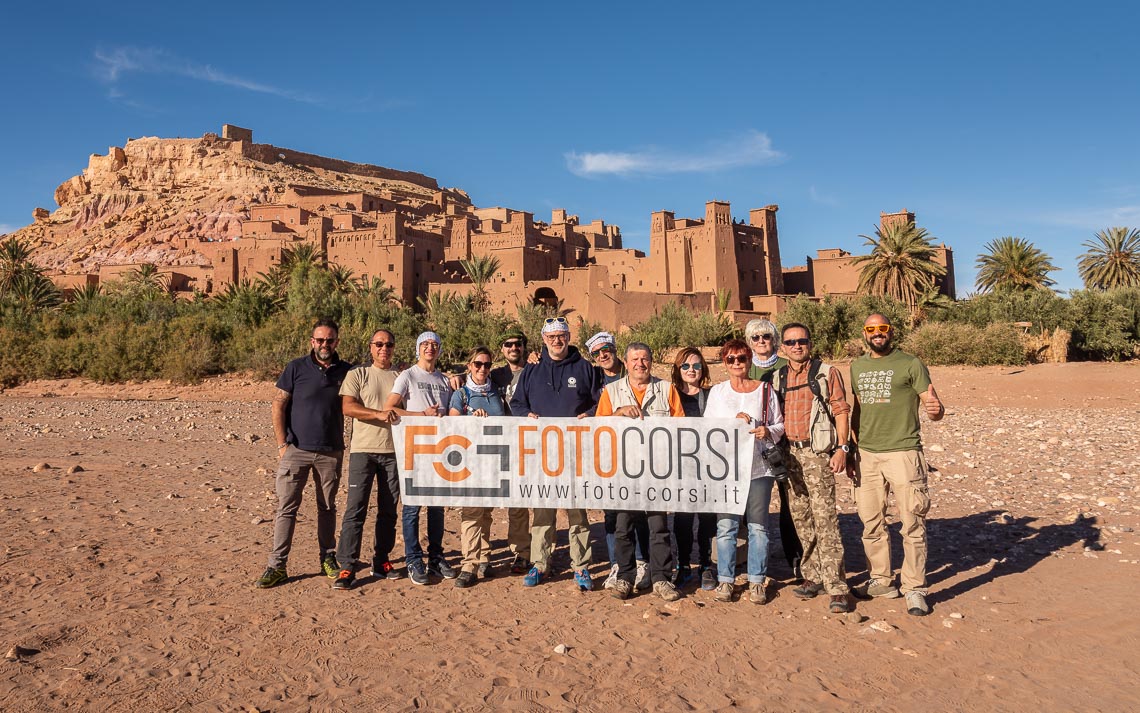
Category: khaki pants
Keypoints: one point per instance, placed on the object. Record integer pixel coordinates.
(811, 496)
(542, 531)
(292, 473)
(904, 473)
(518, 532)
(475, 537)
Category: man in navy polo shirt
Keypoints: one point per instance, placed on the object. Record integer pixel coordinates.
(309, 426)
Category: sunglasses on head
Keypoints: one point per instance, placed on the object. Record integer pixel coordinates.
(758, 337)
(555, 320)
(600, 351)
(877, 328)
(513, 344)
(322, 340)
(691, 367)
(384, 345)
(737, 359)
(802, 341)
(481, 364)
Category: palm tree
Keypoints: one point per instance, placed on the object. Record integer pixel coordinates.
(342, 278)
(1011, 263)
(15, 259)
(435, 305)
(378, 290)
(481, 269)
(86, 295)
(901, 264)
(1112, 260)
(32, 291)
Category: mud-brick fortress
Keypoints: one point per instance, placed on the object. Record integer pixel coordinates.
(410, 232)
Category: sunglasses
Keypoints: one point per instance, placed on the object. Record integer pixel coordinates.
(737, 359)
(513, 344)
(384, 345)
(322, 340)
(877, 328)
(481, 364)
(802, 341)
(692, 367)
(602, 350)
(758, 337)
(555, 320)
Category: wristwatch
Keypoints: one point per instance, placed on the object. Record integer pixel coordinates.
(845, 448)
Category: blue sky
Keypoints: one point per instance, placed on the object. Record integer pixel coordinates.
(986, 119)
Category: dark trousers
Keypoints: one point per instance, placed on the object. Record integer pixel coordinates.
(410, 519)
(683, 531)
(640, 531)
(363, 470)
(660, 545)
(793, 550)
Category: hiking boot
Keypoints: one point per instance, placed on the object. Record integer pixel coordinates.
(440, 568)
(344, 579)
(612, 578)
(385, 570)
(724, 591)
(533, 577)
(464, 580)
(519, 565)
(485, 571)
(584, 580)
(840, 604)
(808, 590)
(621, 589)
(417, 573)
(330, 567)
(708, 579)
(642, 582)
(876, 588)
(684, 574)
(757, 594)
(916, 604)
(666, 591)
(272, 577)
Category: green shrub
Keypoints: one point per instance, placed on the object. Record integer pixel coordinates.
(1102, 328)
(674, 326)
(836, 323)
(947, 344)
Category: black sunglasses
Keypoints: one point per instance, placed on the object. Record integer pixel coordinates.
(513, 344)
(384, 345)
(802, 341)
(737, 359)
(758, 337)
(322, 340)
(691, 367)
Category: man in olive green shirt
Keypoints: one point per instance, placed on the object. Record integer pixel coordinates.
(889, 385)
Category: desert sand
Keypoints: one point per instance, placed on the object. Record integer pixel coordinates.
(128, 585)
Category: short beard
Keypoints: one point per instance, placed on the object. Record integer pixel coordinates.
(885, 349)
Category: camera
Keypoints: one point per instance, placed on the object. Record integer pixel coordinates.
(774, 457)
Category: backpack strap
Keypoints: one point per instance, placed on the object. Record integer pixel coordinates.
(782, 389)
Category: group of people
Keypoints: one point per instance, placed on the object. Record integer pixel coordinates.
(795, 406)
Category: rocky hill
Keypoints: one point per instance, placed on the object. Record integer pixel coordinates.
(141, 202)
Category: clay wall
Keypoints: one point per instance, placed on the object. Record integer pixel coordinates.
(283, 213)
(267, 153)
(237, 133)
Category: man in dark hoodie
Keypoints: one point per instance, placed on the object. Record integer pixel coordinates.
(562, 384)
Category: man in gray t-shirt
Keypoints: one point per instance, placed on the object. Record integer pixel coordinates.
(422, 390)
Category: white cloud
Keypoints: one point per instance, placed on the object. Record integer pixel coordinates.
(821, 198)
(752, 149)
(1096, 218)
(113, 64)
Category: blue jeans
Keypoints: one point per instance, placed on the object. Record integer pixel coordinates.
(756, 516)
(410, 520)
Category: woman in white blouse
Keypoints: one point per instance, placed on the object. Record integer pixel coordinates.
(754, 402)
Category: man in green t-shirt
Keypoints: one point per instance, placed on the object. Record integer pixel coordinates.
(889, 385)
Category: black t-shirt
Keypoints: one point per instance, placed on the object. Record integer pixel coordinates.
(314, 421)
(691, 404)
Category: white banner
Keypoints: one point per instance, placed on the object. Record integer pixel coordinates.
(612, 463)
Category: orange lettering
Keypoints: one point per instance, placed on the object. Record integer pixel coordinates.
(523, 450)
(410, 446)
(578, 431)
(602, 472)
(545, 451)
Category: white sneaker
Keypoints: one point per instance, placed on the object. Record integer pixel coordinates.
(916, 604)
(642, 582)
(611, 580)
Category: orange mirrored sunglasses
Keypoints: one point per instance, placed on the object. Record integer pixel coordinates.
(877, 328)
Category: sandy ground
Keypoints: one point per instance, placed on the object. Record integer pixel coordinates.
(128, 585)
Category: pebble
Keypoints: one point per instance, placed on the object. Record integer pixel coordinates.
(949, 624)
(854, 617)
(40, 467)
(18, 652)
(561, 649)
(75, 469)
(257, 521)
(957, 615)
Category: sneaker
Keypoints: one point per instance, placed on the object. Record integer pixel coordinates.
(840, 604)
(708, 579)
(440, 568)
(330, 567)
(519, 565)
(642, 581)
(584, 580)
(272, 577)
(344, 579)
(724, 591)
(486, 571)
(621, 589)
(612, 579)
(916, 604)
(876, 588)
(464, 580)
(684, 574)
(533, 577)
(666, 591)
(417, 573)
(808, 590)
(385, 570)
(757, 594)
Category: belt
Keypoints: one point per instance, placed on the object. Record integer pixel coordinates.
(800, 444)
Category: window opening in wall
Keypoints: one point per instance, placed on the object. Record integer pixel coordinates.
(391, 267)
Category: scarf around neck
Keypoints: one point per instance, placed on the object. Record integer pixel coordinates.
(766, 362)
(481, 390)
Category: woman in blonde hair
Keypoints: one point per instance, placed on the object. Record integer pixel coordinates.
(476, 397)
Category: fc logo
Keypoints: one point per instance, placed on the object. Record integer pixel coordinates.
(453, 449)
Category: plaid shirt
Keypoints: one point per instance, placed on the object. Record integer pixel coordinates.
(798, 398)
